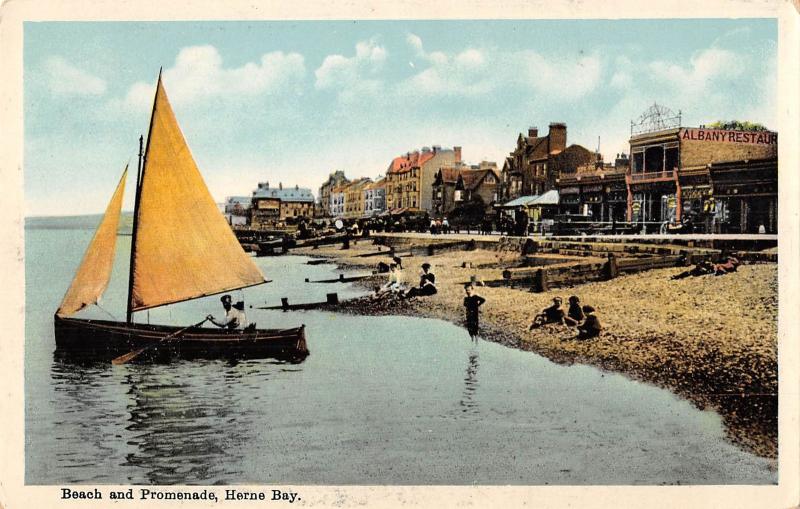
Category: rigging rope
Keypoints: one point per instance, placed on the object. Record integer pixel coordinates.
(106, 312)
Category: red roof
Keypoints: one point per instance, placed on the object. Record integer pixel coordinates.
(413, 160)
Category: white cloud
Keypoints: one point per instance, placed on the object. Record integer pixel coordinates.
(463, 74)
(478, 71)
(415, 42)
(704, 67)
(65, 79)
(198, 74)
(621, 80)
(559, 78)
(340, 72)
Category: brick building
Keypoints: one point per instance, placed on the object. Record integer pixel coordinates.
(724, 179)
(456, 184)
(409, 178)
(529, 168)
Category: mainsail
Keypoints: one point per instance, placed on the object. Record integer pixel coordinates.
(184, 248)
(94, 271)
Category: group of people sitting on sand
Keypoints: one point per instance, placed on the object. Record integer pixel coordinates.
(706, 267)
(582, 317)
(396, 285)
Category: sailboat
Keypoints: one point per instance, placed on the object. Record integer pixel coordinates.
(181, 249)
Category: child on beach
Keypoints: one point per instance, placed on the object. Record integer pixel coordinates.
(574, 313)
(427, 284)
(591, 327)
(471, 304)
(395, 283)
(552, 314)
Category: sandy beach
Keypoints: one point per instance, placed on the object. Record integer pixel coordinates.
(712, 340)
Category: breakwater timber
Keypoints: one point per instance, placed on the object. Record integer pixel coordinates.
(710, 339)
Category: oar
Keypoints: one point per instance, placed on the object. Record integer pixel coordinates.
(122, 359)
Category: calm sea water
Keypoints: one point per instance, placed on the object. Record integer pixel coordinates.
(380, 400)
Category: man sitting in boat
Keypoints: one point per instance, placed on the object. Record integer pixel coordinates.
(234, 314)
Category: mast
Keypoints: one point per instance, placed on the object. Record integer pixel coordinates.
(139, 181)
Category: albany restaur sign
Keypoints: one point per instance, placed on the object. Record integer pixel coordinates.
(718, 135)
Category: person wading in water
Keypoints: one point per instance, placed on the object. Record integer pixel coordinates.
(471, 304)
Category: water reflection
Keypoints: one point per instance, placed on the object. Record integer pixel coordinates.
(468, 402)
(177, 423)
(85, 405)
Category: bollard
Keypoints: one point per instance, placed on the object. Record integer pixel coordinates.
(307, 280)
(341, 277)
(285, 303)
(332, 298)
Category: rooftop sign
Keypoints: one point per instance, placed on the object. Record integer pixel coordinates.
(720, 136)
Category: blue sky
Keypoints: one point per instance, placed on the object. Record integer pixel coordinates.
(290, 101)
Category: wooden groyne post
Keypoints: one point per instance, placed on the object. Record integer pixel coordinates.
(540, 281)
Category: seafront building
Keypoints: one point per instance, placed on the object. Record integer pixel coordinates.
(409, 178)
(237, 210)
(271, 205)
(375, 197)
(324, 202)
(354, 198)
(461, 183)
(596, 189)
(537, 162)
(724, 180)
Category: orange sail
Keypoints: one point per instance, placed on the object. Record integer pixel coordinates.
(94, 272)
(184, 247)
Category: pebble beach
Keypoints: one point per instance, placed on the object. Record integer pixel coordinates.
(712, 340)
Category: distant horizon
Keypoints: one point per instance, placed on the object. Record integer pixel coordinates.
(292, 102)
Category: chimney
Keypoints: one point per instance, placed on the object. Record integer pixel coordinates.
(533, 132)
(558, 136)
(457, 150)
(280, 185)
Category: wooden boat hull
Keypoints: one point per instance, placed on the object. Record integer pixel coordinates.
(104, 339)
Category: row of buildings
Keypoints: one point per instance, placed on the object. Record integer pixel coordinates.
(723, 179)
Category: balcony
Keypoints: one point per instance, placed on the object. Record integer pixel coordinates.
(653, 176)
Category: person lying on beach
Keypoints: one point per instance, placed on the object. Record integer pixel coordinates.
(427, 284)
(395, 283)
(591, 327)
(701, 269)
(575, 312)
(471, 304)
(552, 314)
(730, 265)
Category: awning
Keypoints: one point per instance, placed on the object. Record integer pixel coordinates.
(548, 198)
(522, 201)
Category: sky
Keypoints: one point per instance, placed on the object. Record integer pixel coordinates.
(292, 101)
